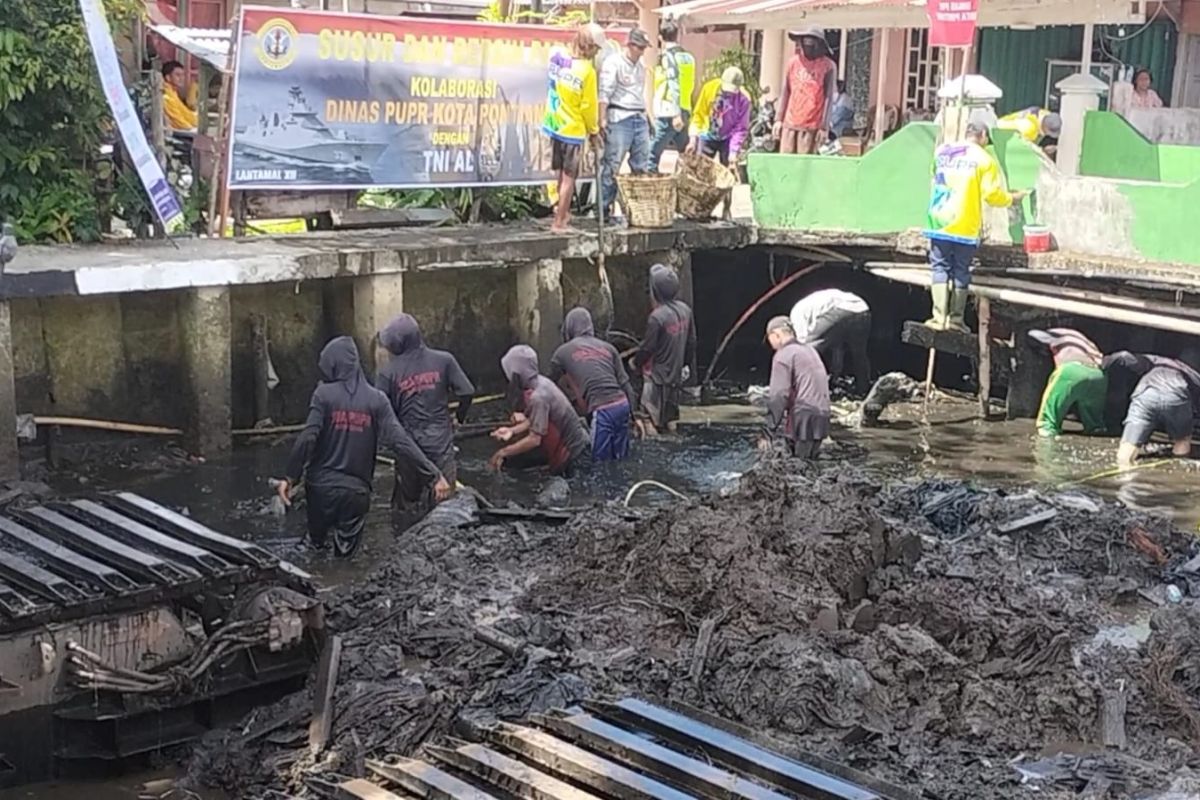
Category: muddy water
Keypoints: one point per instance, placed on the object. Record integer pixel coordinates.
(714, 446)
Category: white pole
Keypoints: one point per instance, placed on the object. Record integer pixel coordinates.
(1089, 34)
(842, 53)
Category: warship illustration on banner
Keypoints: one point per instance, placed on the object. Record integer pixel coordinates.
(300, 134)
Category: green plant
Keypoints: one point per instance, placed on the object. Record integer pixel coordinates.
(744, 60)
(53, 115)
(489, 203)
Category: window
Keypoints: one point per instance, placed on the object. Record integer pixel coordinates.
(922, 72)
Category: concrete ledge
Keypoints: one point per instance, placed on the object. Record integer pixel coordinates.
(45, 271)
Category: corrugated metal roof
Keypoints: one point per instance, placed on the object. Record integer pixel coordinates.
(209, 45)
(736, 7)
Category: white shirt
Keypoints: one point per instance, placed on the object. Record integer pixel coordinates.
(623, 83)
(818, 305)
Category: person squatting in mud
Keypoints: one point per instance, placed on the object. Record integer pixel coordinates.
(798, 395)
(1166, 398)
(592, 375)
(1077, 382)
(836, 324)
(335, 453)
(419, 382)
(666, 352)
(545, 429)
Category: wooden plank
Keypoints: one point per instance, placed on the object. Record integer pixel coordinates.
(509, 774)
(425, 780)
(605, 777)
(365, 790)
(985, 358)
(700, 651)
(321, 726)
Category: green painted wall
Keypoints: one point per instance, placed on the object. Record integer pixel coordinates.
(1112, 148)
(885, 191)
(1163, 216)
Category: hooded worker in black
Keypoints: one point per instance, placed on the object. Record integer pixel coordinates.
(546, 429)
(419, 382)
(666, 350)
(595, 379)
(335, 453)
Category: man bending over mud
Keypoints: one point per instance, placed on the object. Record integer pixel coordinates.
(546, 430)
(798, 396)
(1165, 398)
(335, 453)
(591, 373)
(418, 382)
(666, 351)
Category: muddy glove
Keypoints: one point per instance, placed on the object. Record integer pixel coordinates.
(686, 373)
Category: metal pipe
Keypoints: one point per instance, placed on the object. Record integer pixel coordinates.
(920, 277)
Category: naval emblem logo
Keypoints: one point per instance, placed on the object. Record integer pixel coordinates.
(277, 43)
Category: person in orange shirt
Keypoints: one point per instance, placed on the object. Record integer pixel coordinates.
(176, 111)
(808, 91)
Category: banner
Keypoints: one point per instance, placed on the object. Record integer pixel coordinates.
(349, 101)
(952, 22)
(166, 207)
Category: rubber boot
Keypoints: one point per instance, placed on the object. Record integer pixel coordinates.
(940, 292)
(958, 311)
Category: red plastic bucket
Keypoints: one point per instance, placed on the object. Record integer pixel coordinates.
(1037, 239)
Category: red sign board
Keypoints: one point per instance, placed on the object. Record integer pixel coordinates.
(952, 22)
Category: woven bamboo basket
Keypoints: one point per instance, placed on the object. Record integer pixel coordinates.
(649, 200)
(701, 184)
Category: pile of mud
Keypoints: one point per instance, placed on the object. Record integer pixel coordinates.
(894, 628)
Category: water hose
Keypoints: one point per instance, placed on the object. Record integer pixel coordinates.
(1112, 473)
(633, 490)
(749, 312)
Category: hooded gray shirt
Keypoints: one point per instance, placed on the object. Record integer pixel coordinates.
(548, 410)
(670, 340)
(418, 382)
(798, 397)
(347, 420)
(591, 368)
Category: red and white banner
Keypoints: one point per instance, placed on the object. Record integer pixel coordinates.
(952, 22)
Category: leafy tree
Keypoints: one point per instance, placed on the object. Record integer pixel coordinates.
(53, 115)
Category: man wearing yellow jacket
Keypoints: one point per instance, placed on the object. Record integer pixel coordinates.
(572, 112)
(965, 177)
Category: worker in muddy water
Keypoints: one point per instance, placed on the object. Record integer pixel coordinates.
(666, 351)
(419, 383)
(965, 177)
(837, 325)
(545, 429)
(593, 377)
(348, 418)
(1165, 399)
(798, 395)
(1077, 382)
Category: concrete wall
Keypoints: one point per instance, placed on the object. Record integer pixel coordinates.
(128, 357)
(1114, 148)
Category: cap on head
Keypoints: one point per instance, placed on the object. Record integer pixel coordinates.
(1052, 125)
(669, 30)
(783, 324)
(592, 35)
(732, 79)
(810, 32)
(637, 38)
